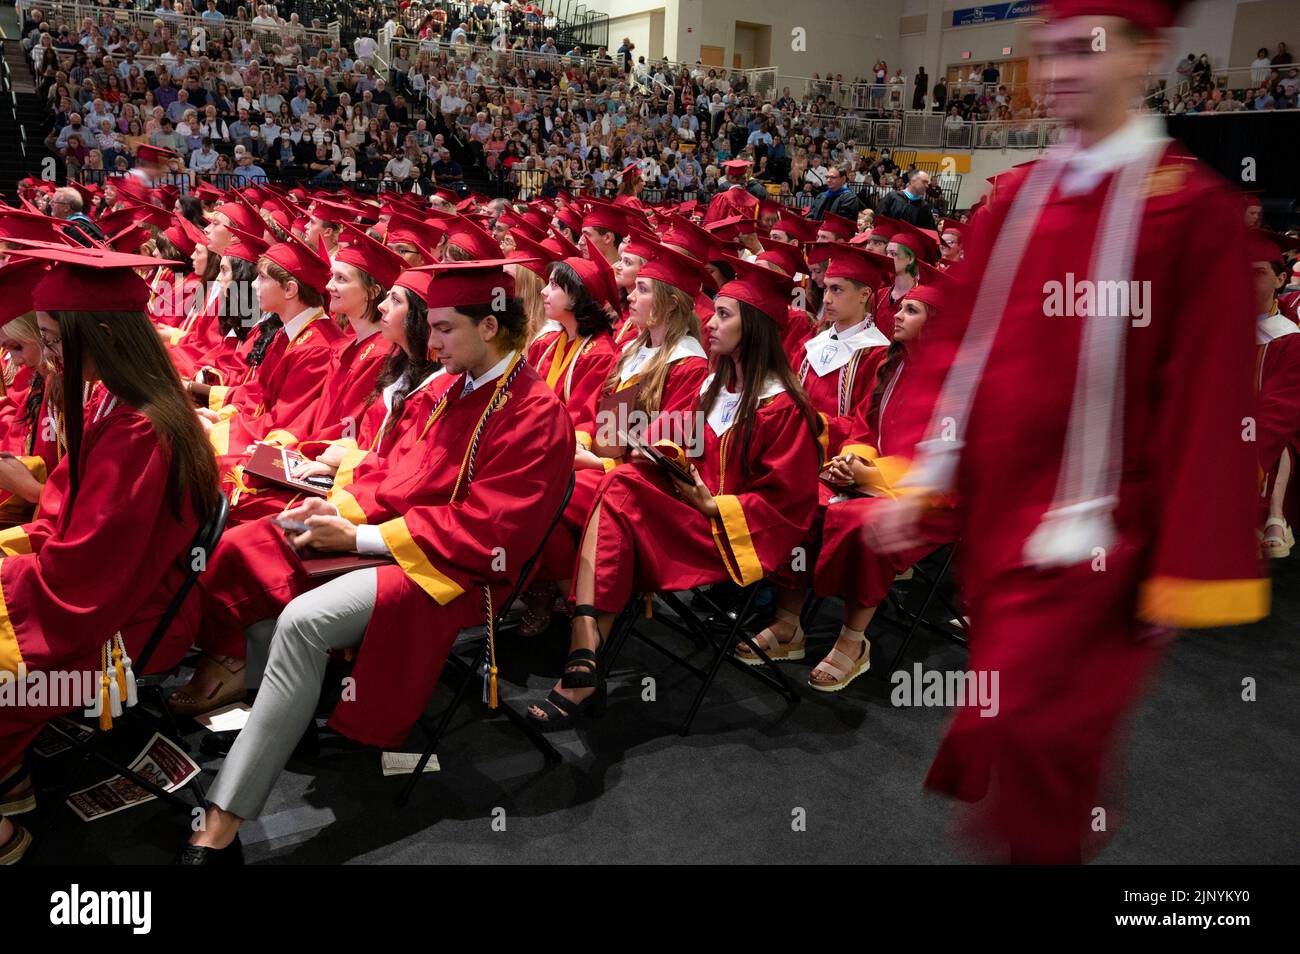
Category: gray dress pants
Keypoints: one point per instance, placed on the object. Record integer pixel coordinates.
(332, 616)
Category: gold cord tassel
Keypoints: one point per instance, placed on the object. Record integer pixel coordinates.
(649, 606)
(105, 693)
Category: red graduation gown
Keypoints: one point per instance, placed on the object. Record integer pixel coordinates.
(1277, 412)
(734, 201)
(39, 448)
(68, 583)
(649, 540)
(838, 394)
(200, 331)
(285, 386)
(444, 549)
(344, 398)
(370, 450)
(577, 371)
(681, 388)
(846, 565)
(1073, 645)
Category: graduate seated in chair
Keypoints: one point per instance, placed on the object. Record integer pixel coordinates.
(457, 519)
(81, 589)
(872, 460)
(30, 425)
(741, 507)
(406, 391)
(1277, 391)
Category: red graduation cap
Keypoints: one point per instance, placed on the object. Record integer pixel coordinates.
(765, 289)
(838, 226)
(632, 168)
(426, 236)
(560, 244)
(534, 255)
(242, 217)
(155, 154)
(18, 279)
(19, 224)
(301, 261)
(335, 213)
(128, 239)
(933, 292)
(733, 226)
(538, 217)
(1265, 246)
(603, 215)
(247, 247)
(796, 226)
(857, 263)
(736, 166)
(570, 218)
(206, 192)
(695, 239)
(1150, 14)
(466, 205)
(788, 258)
(517, 223)
(358, 249)
(89, 279)
(135, 187)
(190, 234)
(598, 277)
(952, 225)
(673, 268)
(473, 239)
(459, 283)
(922, 243)
(134, 214)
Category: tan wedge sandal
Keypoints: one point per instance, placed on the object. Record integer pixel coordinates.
(776, 650)
(841, 668)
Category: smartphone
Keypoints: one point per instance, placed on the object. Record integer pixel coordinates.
(297, 526)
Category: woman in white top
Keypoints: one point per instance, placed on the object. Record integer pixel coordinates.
(1260, 67)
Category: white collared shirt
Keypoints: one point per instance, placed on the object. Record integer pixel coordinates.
(293, 327)
(832, 350)
(1275, 325)
(498, 369)
(722, 414)
(687, 347)
(1085, 168)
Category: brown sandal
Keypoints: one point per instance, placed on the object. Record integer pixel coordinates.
(15, 846)
(228, 673)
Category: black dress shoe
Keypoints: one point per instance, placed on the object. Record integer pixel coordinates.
(232, 854)
(219, 743)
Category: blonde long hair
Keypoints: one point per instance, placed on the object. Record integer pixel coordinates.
(528, 289)
(676, 309)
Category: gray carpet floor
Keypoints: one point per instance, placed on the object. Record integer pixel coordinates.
(1205, 776)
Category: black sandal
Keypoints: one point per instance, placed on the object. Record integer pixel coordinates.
(581, 669)
(11, 802)
(561, 713)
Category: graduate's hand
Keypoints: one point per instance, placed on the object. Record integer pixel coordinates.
(315, 468)
(17, 479)
(311, 507)
(584, 459)
(698, 495)
(840, 470)
(332, 456)
(895, 525)
(207, 414)
(328, 533)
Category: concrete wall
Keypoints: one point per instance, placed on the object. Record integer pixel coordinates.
(842, 36)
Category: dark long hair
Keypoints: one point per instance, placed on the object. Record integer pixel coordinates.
(884, 373)
(406, 369)
(234, 316)
(129, 359)
(590, 315)
(760, 357)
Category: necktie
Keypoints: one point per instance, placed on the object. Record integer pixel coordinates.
(469, 386)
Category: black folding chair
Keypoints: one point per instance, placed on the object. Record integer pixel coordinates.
(464, 669)
(718, 645)
(149, 688)
(894, 612)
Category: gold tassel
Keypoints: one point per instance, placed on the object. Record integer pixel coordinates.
(105, 698)
(121, 674)
(649, 606)
(493, 700)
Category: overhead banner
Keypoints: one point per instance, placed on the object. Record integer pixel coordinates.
(995, 12)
